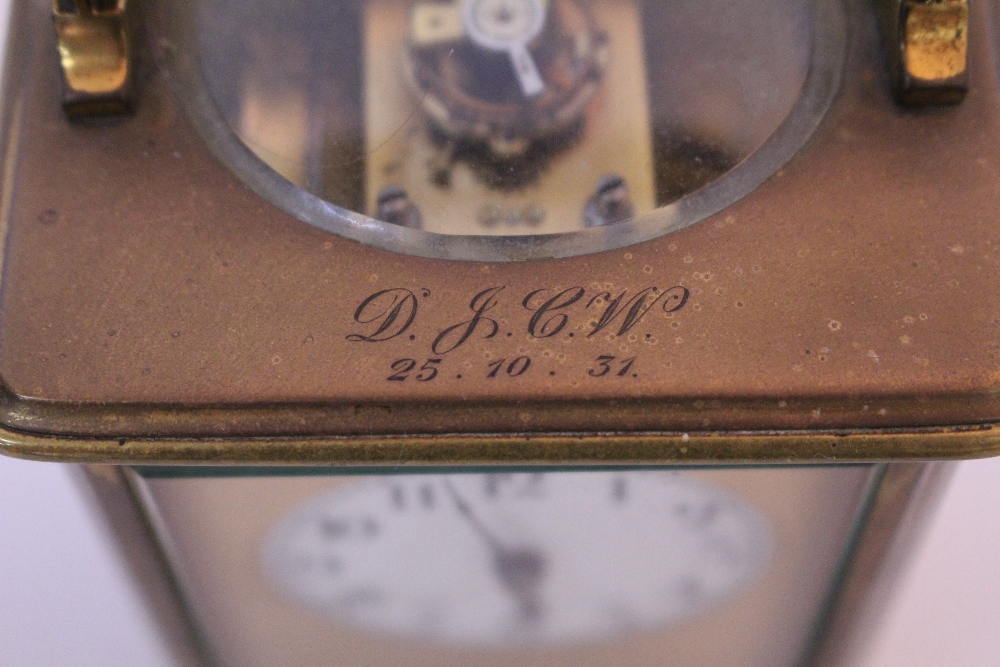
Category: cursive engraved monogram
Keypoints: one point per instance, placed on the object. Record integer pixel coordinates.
(547, 321)
(391, 311)
(633, 309)
(456, 335)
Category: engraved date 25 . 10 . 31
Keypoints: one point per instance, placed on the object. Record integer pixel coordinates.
(394, 314)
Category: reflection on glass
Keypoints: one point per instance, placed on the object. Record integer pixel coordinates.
(504, 117)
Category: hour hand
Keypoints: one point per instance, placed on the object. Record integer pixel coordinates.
(521, 572)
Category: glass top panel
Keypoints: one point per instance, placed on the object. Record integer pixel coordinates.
(504, 117)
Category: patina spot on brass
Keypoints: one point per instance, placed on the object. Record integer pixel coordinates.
(96, 56)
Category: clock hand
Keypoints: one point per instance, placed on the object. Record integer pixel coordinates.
(520, 570)
(508, 26)
(528, 76)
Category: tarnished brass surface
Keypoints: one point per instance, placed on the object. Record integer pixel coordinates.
(95, 51)
(927, 43)
(149, 296)
(527, 449)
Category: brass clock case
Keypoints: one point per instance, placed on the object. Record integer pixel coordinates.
(157, 307)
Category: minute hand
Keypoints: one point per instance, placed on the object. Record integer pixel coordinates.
(519, 570)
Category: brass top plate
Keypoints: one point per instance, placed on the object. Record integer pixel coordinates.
(148, 294)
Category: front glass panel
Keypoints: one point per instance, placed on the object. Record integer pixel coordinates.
(719, 567)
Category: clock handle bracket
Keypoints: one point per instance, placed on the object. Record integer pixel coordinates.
(96, 42)
(927, 49)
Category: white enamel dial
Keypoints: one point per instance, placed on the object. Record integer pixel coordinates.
(518, 559)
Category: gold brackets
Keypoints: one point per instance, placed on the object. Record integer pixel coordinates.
(96, 50)
(927, 44)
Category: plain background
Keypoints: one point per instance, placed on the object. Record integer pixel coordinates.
(65, 599)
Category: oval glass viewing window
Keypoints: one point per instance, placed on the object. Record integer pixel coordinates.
(573, 125)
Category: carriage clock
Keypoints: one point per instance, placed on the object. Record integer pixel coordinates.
(504, 332)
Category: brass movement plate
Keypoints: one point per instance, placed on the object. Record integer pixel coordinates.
(155, 309)
(619, 128)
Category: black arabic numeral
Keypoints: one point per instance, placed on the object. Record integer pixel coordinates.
(427, 496)
(619, 489)
(495, 368)
(626, 367)
(516, 368)
(519, 367)
(429, 370)
(403, 367)
(604, 364)
(398, 497)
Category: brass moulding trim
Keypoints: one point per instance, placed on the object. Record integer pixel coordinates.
(392, 417)
(927, 43)
(96, 54)
(520, 450)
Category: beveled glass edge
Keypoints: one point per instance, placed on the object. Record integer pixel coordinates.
(823, 78)
(900, 504)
